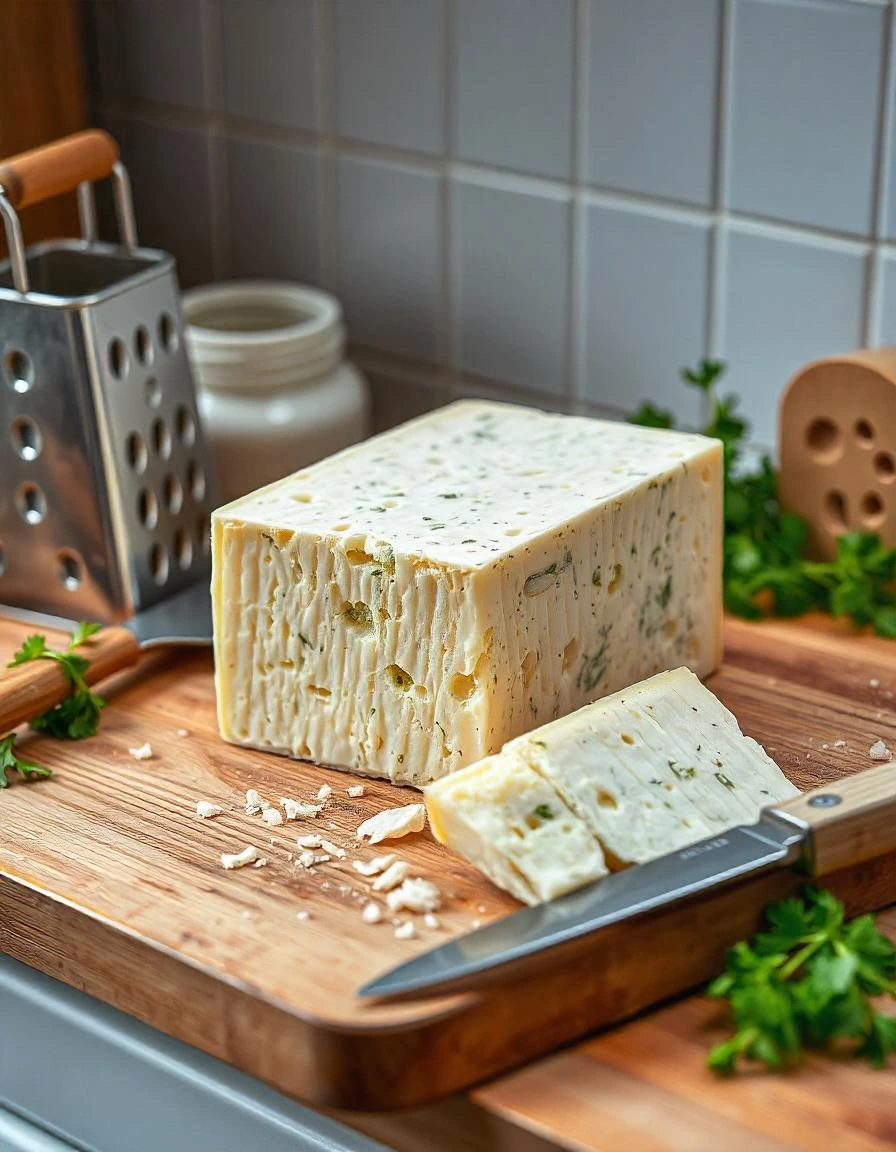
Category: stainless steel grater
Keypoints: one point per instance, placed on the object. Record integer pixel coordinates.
(105, 480)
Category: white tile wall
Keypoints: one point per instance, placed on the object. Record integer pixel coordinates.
(556, 200)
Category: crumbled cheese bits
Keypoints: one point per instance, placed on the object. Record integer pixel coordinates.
(393, 823)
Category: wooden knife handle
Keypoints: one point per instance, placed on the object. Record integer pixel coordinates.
(850, 821)
(30, 689)
(59, 167)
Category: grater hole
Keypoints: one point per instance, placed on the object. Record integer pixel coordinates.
(118, 358)
(158, 563)
(204, 535)
(148, 509)
(196, 480)
(31, 503)
(161, 438)
(186, 427)
(183, 548)
(172, 494)
(69, 569)
(19, 370)
(153, 392)
(137, 453)
(168, 332)
(143, 345)
(26, 438)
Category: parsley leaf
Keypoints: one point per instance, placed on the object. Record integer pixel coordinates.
(11, 762)
(807, 982)
(78, 715)
(765, 568)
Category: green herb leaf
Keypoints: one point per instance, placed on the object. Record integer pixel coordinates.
(78, 716)
(765, 570)
(11, 762)
(807, 983)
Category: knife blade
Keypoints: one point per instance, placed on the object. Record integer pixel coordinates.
(823, 831)
(774, 842)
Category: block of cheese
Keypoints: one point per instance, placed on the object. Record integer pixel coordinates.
(405, 607)
(646, 771)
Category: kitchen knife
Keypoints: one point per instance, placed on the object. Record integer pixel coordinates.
(31, 689)
(817, 833)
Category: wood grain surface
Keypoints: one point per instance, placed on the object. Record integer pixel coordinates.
(110, 883)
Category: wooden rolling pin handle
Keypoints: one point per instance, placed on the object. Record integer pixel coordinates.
(29, 689)
(59, 167)
(851, 821)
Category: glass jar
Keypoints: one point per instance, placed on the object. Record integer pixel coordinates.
(275, 390)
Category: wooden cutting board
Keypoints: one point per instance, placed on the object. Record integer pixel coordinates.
(109, 883)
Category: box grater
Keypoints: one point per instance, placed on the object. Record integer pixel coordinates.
(105, 480)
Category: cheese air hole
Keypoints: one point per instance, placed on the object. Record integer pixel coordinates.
(399, 678)
(316, 690)
(606, 799)
(357, 616)
(617, 576)
(358, 556)
(302, 498)
(530, 662)
(626, 739)
(461, 686)
(570, 654)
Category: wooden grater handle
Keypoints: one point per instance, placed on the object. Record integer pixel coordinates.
(850, 821)
(52, 169)
(30, 689)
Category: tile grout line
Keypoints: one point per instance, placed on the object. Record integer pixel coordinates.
(718, 256)
(328, 181)
(873, 302)
(578, 264)
(448, 347)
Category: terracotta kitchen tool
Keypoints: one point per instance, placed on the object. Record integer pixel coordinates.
(837, 441)
(105, 481)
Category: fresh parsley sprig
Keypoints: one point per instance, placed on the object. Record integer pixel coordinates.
(765, 569)
(807, 982)
(78, 715)
(11, 762)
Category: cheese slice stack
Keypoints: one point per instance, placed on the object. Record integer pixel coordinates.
(407, 606)
(638, 774)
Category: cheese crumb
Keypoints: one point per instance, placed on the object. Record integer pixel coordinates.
(874, 682)
(308, 858)
(254, 803)
(839, 744)
(333, 849)
(296, 809)
(476, 924)
(144, 752)
(879, 751)
(239, 859)
(183, 732)
(324, 792)
(303, 915)
(355, 790)
(261, 862)
(205, 810)
(481, 908)
(406, 931)
(394, 875)
(415, 895)
(308, 841)
(372, 867)
(431, 921)
(372, 913)
(392, 823)
(272, 816)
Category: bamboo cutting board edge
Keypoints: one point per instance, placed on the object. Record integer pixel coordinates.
(352, 1055)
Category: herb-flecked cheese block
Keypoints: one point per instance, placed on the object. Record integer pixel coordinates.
(407, 606)
(644, 772)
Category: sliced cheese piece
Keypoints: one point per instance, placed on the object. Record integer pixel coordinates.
(646, 771)
(510, 822)
(407, 606)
